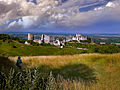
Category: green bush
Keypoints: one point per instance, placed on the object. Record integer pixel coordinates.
(108, 49)
(33, 43)
(5, 37)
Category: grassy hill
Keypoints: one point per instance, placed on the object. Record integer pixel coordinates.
(15, 48)
(69, 72)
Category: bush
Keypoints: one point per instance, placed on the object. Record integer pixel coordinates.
(44, 44)
(5, 37)
(22, 41)
(108, 48)
(33, 43)
(105, 49)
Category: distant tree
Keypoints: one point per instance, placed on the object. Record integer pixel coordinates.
(88, 40)
(15, 38)
(46, 44)
(108, 49)
(4, 37)
(33, 43)
(22, 41)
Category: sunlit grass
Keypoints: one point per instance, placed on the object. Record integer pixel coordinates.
(19, 49)
(106, 69)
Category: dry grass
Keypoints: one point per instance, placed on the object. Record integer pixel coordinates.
(57, 61)
(105, 66)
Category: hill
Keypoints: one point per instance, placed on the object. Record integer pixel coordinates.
(74, 72)
(15, 48)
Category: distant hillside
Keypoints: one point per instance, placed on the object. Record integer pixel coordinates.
(15, 48)
(12, 46)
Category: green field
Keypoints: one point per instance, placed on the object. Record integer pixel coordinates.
(69, 72)
(15, 48)
(46, 67)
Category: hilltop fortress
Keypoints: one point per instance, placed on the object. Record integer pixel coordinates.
(59, 41)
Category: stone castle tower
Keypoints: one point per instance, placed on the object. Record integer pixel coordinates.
(30, 36)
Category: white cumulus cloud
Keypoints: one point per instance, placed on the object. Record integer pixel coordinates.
(48, 12)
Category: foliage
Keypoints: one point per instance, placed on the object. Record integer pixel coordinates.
(31, 79)
(6, 64)
(108, 40)
(90, 71)
(105, 67)
(44, 44)
(12, 46)
(108, 48)
(86, 41)
(5, 37)
(15, 48)
(33, 43)
(26, 79)
(22, 41)
(77, 45)
(19, 49)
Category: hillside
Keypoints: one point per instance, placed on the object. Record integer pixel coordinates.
(15, 48)
(76, 72)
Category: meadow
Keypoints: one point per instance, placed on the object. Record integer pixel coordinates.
(68, 72)
(14, 48)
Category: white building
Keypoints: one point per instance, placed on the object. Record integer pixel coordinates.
(57, 42)
(83, 38)
(74, 38)
(45, 38)
(79, 37)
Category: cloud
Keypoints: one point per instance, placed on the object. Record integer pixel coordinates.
(47, 13)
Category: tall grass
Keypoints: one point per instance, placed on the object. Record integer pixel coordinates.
(32, 79)
(70, 72)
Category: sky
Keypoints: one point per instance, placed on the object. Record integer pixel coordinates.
(60, 16)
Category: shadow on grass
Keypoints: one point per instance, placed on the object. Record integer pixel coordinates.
(75, 72)
(6, 64)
